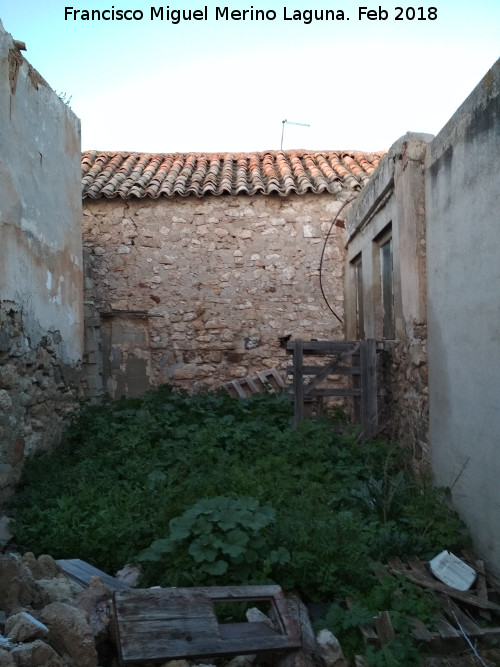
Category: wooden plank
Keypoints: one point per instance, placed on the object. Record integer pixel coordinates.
(455, 614)
(335, 392)
(238, 388)
(491, 579)
(298, 381)
(491, 634)
(264, 378)
(417, 566)
(368, 633)
(420, 631)
(360, 661)
(482, 590)
(277, 376)
(251, 383)
(396, 564)
(324, 346)
(423, 579)
(369, 409)
(314, 370)
(446, 630)
(383, 626)
(247, 593)
(302, 623)
(156, 625)
(81, 572)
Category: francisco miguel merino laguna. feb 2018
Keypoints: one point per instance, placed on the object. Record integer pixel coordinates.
(176, 16)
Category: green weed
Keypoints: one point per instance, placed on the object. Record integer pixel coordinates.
(208, 488)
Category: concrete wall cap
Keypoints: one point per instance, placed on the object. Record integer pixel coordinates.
(487, 90)
(412, 146)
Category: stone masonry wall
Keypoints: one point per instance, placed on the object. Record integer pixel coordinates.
(198, 292)
(37, 391)
(404, 397)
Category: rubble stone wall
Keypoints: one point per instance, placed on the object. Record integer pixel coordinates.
(197, 292)
(404, 396)
(37, 390)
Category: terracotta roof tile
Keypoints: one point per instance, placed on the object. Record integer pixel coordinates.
(156, 175)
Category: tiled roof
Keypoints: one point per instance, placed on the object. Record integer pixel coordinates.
(156, 175)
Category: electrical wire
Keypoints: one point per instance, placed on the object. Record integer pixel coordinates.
(323, 254)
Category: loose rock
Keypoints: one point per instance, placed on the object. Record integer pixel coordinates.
(70, 633)
(330, 650)
(24, 627)
(36, 654)
(6, 660)
(16, 583)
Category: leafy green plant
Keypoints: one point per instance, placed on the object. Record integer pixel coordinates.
(220, 536)
(403, 600)
(382, 495)
(399, 651)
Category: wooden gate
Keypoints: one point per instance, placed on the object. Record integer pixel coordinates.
(356, 359)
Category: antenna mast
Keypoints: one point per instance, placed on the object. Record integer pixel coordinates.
(289, 122)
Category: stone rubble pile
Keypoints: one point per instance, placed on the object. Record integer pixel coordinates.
(48, 620)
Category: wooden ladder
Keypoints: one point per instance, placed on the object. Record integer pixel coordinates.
(270, 381)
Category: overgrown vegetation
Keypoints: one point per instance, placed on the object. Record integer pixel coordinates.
(207, 489)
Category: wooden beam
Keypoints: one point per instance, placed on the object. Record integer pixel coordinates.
(369, 408)
(314, 370)
(298, 381)
(324, 346)
(334, 392)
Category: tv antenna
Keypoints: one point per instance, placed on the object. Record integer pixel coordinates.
(289, 122)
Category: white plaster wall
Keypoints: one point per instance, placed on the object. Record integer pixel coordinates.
(463, 308)
(41, 290)
(40, 204)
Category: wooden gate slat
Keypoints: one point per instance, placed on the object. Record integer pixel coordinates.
(369, 411)
(330, 369)
(298, 381)
(315, 370)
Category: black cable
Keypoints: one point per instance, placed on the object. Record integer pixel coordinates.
(323, 254)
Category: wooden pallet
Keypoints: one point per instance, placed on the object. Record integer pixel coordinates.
(157, 625)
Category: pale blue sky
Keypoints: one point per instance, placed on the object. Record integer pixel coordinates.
(226, 86)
